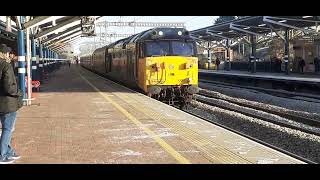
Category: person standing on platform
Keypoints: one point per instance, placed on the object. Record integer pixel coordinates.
(272, 66)
(10, 103)
(217, 63)
(278, 65)
(249, 65)
(78, 60)
(302, 63)
(316, 64)
(69, 62)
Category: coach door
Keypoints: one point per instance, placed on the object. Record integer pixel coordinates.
(139, 54)
(135, 62)
(130, 65)
(109, 62)
(106, 55)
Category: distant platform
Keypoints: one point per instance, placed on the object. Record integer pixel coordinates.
(308, 78)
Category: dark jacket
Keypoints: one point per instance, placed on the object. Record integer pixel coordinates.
(217, 62)
(10, 95)
(302, 63)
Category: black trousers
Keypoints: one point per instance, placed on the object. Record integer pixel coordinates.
(301, 68)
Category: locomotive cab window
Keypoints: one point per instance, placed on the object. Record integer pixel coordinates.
(170, 48)
(180, 48)
(157, 48)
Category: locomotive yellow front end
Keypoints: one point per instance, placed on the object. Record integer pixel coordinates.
(172, 79)
(169, 69)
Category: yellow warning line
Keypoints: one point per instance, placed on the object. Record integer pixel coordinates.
(155, 137)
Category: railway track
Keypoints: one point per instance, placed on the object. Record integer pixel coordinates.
(287, 115)
(253, 139)
(292, 117)
(279, 93)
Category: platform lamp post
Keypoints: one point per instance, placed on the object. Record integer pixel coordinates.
(48, 60)
(228, 55)
(253, 62)
(29, 71)
(40, 61)
(286, 52)
(209, 55)
(22, 63)
(37, 60)
(51, 56)
(34, 60)
(45, 56)
(52, 60)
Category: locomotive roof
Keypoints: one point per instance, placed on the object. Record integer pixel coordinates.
(151, 34)
(155, 33)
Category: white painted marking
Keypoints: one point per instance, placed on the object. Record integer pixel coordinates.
(21, 70)
(22, 58)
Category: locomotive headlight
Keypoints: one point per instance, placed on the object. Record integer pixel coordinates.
(179, 33)
(160, 33)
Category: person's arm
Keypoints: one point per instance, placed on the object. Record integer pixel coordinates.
(9, 80)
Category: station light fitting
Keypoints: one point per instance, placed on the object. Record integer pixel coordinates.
(282, 21)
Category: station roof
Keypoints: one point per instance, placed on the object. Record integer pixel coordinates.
(256, 25)
(53, 31)
(57, 31)
(11, 36)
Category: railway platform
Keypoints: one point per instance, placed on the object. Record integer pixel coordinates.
(307, 78)
(79, 117)
(300, 83)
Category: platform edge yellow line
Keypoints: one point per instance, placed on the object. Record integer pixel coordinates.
(169, 149)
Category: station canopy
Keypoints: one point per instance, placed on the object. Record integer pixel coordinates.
(56, 32)
(259, 26)
(53, 31)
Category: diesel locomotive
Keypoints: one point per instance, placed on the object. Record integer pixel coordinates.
(161, 62)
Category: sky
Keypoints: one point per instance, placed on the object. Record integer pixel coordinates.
(191, 23)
